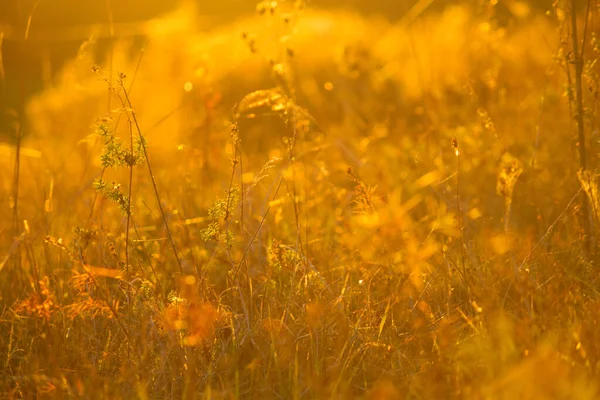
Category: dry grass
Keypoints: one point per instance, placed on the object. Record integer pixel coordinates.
(323, 206)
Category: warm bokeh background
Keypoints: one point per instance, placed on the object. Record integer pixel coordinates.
(346, 199)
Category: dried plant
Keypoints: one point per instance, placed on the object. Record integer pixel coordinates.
(247, 260)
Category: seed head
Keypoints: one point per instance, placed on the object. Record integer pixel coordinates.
(454, 144)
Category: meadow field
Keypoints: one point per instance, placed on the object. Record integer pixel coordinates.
(309, 203)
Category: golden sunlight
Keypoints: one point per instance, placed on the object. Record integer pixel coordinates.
(299, 199)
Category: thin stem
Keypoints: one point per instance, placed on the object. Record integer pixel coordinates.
(578, 61)
(129, 310)
(459, 217)
(154, 186)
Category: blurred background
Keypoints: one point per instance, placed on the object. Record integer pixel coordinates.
(38, 36)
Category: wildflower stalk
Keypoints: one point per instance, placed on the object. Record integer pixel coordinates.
(578, 62)
(154, 186)
(131, 163)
